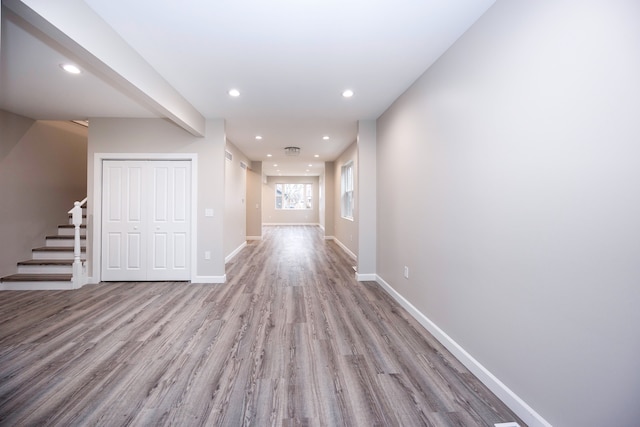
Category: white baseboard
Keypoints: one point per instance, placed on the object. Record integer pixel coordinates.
(366, 277)
(235, 252)
(346, 249)
(329, 238)
(312, 224)
(515, 403)
(206, 280)
(254, 237)
(37, 286)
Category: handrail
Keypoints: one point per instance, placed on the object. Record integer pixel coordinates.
(80, 204)
(76, 220)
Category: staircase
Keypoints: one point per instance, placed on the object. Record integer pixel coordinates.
(50, 266)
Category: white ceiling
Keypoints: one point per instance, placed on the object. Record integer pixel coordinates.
(290, 59)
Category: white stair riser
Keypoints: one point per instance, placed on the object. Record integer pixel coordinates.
(67, 243)
(71, 232)
(45, 269)
(36, 286)
(54, 255)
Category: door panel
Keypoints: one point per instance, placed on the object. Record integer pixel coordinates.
(146, 221)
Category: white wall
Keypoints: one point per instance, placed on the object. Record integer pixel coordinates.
(235, 206)
(345, 231)
(108, 135)
(271, 215)
(42, 172)
(508, 183)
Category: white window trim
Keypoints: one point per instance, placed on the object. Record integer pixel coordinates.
(305, 192)
(347, 169)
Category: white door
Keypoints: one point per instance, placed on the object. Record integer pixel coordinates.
(146, 209)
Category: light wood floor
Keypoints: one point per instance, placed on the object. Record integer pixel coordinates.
(290, 339)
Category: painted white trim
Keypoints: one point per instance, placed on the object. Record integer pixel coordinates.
(506, 395)
(366, 277)
(235, 252)
(329, 238)
(98, 158)
(346, 249)
(37, 286)
(313, 224)
(209, 280)
(254, 237)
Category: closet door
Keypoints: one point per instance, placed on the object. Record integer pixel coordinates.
(146, 211)
(169, 225)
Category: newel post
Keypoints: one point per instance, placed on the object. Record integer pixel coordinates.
(76, 219)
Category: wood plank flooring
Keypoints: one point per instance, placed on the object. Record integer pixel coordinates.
(291, 339)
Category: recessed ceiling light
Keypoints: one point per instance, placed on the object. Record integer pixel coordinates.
(307, 170)
(275, 165)
(258, 137)
(316, 155)
(325, 137)
(269, 155)
(347, 93)
(70, 68)
(310, 165)
(234, 92)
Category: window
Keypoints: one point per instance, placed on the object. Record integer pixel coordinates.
(294, 196)
(346, 191)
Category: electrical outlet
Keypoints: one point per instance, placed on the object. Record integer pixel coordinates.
(406, 272)
(207, 255)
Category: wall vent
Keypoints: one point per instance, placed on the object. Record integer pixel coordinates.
(243, 165)
(228, 155)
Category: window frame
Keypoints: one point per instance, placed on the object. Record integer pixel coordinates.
(347, 191)
(307, 193)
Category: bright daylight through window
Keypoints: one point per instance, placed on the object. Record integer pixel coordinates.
(294, 196)
(346, 187)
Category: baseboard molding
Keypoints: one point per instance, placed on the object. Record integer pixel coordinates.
(207, 280)
(329, 238)
(37, 286)
(235, 252)
(366, 277)
(312, 224)
(254, 237)
(346, 249)
(515, 403)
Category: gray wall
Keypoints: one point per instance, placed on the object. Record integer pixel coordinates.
(254, 201)
(329, 199)
(271, 215)
(235, 206)
(508, 183)
(43, 170)
(108, 135)
(345, 231)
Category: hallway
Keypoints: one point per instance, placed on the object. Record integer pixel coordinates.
(290, 339)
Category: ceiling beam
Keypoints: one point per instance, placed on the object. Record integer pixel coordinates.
(75, 26)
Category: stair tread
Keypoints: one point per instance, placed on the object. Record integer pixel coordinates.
(57, 249)
(37, 278)
(58, 237)
(47, 262)
(71, 226)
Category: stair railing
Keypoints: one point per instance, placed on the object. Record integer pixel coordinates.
(79, 270)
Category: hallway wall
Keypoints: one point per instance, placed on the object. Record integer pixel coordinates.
(508, 184)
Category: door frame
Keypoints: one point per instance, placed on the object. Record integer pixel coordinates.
(94, 253)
